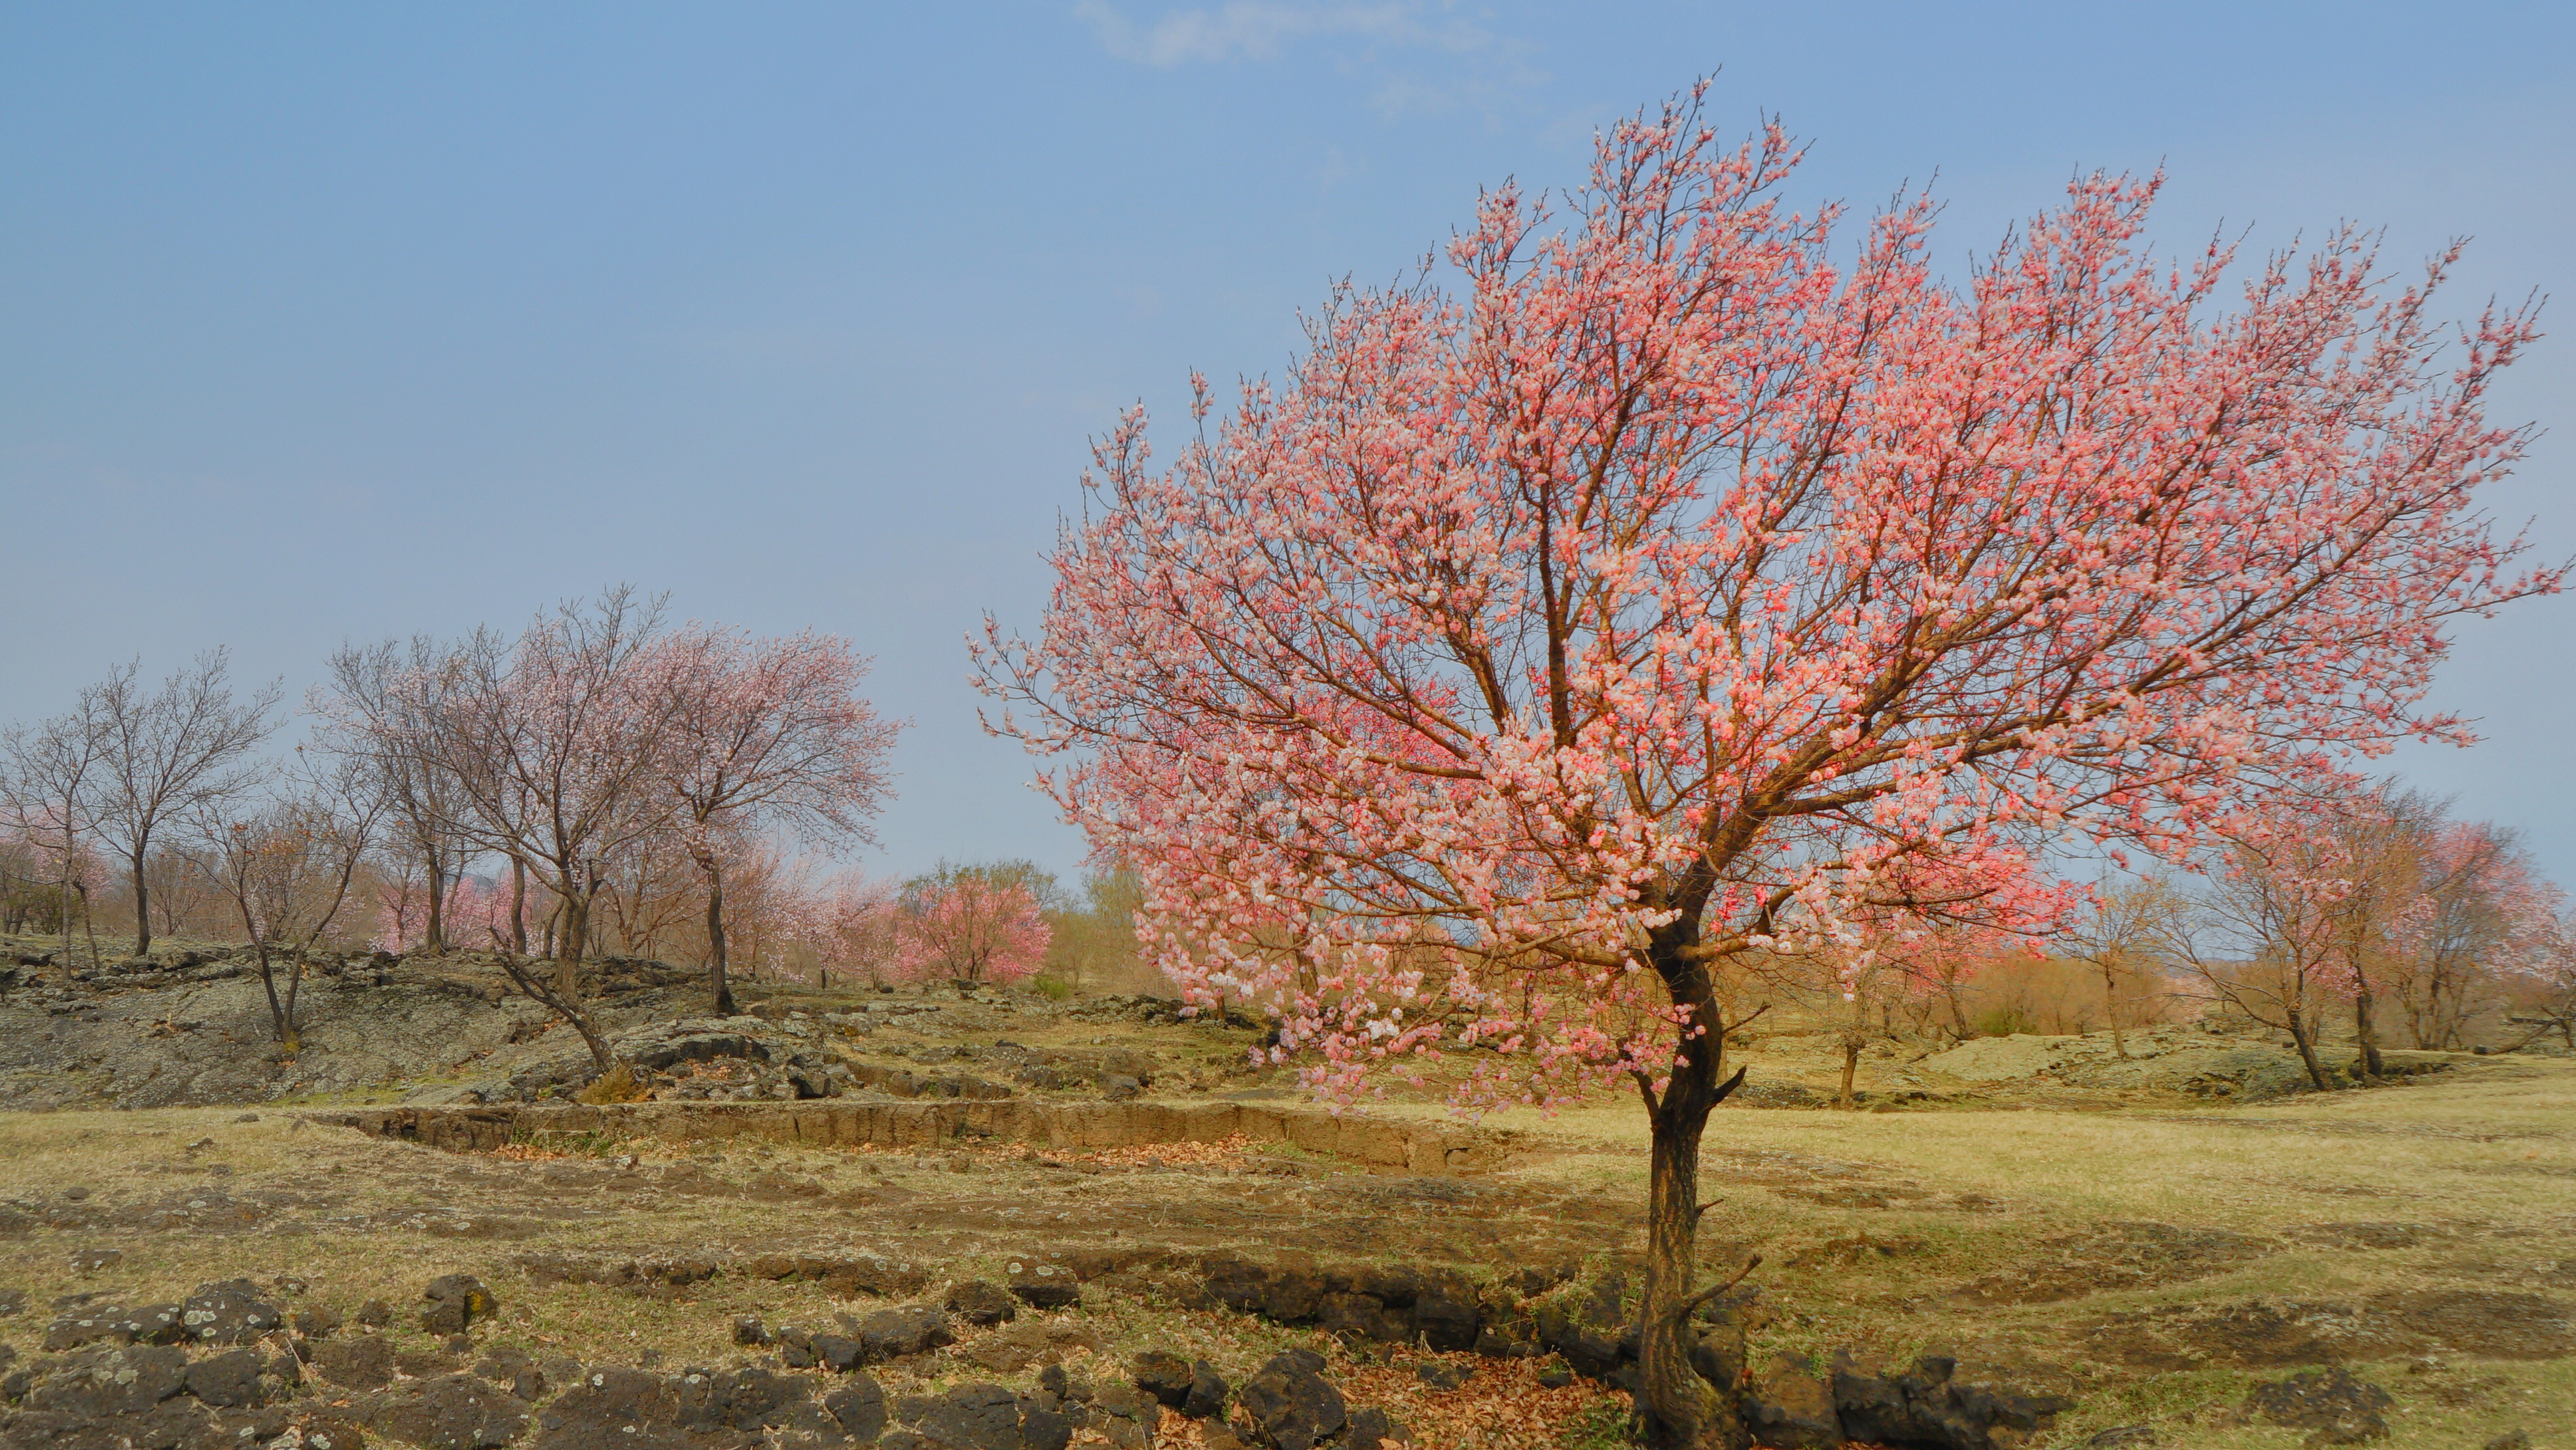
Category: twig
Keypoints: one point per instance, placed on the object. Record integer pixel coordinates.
(1713, 1290)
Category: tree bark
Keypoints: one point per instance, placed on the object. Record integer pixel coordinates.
(2367, 1065)
(2111, 1008)
(715, 934)
(1851, 1065)
(89, 923)
(434, 931)
(2308, 1053)
(142, 905)
(268, 983)
(568, 1009)
(518, 906)
(1679, 1410)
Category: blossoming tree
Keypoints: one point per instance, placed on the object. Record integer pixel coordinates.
(766, 733)
(971, 924)
(1541, 643)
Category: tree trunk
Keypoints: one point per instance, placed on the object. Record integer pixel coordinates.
(2367, 1065)
(293, 1036)
(434, 932)
(566, 928)
(1679, 1410)
(2111, 1009)
(142, 907)
(518, 906)
(89, 923)
(2308, 1054)
(1851, 1064)
(715, 934)
(268, 984)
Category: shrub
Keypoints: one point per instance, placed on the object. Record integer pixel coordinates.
(1054, 989)
(617, 1085)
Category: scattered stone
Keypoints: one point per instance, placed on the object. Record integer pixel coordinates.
(910, 1329)
(230, 1311)
(985, 1417)
(2340, 1409)
(979, 1303)
(1789, 1405)
(150, 1324)
(877, 1277)
(12, 1301)
(227, 1380)
(1044, 1286)
(1208, 1392)
(76, 1193)
(90, 1261)
(859, 1408)
(1555, 1377)
(1442, 1376)
(456, 1303)
(317, 1321)
(1164, 1375)
(112, 1380)
(375, 1314)
(750, 1332)
(2120, 1436)
(837, 1353)
(330, 1432)
(452, 1412)
(1932, 1404)
(1120, 1088)
(1372, 1429)
(247, 1118)
(2511, 1439)
(1291, 1404)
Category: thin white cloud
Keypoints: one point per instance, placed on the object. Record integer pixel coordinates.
(1257, 29)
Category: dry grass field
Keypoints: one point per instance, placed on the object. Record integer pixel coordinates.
(2154, 1255)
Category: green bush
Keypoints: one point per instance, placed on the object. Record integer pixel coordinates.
(1054, 989)
(2004, 1022)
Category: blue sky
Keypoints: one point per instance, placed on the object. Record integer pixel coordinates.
(345, 321)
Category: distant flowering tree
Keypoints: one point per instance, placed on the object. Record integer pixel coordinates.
(972, 924)
(1645, 598)
(766, 733)
(849, 923)
(2480, 921)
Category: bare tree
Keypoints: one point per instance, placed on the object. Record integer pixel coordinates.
(382, 705)
(765, 733)
(2265, 934)
(183, 750)
(49, 783)
(2120, 941)
(285, 867)
(552, 742)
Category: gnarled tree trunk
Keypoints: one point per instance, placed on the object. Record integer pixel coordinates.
(1680, 1410)
(716, 934)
